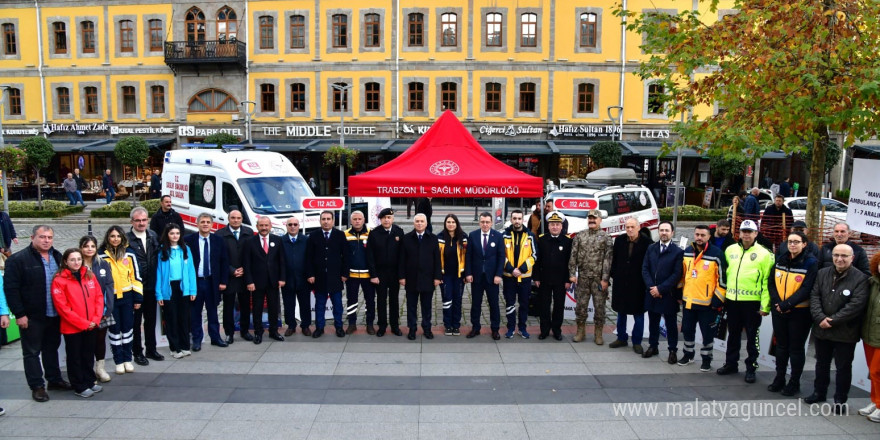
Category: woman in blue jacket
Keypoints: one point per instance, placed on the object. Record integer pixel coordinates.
(175, 279)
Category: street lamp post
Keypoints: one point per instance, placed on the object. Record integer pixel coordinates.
(615, 113)
(247, 116)
(343, 90)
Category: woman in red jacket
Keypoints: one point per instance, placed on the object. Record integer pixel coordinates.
(79, 301)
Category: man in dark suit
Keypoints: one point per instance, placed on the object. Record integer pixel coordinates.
(419, 273)
(484, 261)
(296, 289)
(234, 235)
(212, 274)
(145, 244)
(264, 274)
(155, 184)
(383, 253)
(326, 270)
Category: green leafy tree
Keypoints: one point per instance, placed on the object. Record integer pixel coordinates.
(132, 151)
(341, 156)
(39, 153)
(784, 74)
(606, 154)
(11, 158)
(727, 167)
(221, 139)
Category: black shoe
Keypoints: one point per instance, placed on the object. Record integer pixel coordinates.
(396, 331)
(276, 337)
(840, 407)
(448, 331)
(777, 385)
(651, 351)
(495, 335)
(317, 333)
(247, 336)
(340, 333)
(258, 338)
(155, 355)
(473, 334)
(380, 332)
(750, 376)
(727, 369)
(429, 334)
(140, 359)
(411, 335)
(306, 331)
(542, 336)
(230, 339)
(814, 398)
(706, 365)
(40, 395)
(197, 347)
(557, 336)
(673, 358)
(220, 343)
(791, 388)
(351, 329)
(686, 358)
(60, 386)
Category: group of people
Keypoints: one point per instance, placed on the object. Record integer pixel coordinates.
(113, 288)
(75, 184)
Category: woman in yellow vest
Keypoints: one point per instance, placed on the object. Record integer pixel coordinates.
(453, 244)
(127, 284)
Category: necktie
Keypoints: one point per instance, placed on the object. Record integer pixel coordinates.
(235, 233)
(293, 239)
(485, 242)
(206, 259)
(266, 244)
(326, 235)
(662, 248)
(420, 237)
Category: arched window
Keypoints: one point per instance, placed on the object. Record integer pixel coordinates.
(493, 29)
(529, 32)
(195, 25)
(227, 24)
(267, 32)
(493, 97)
(126, 36)
(416, 29)
(586, 97)
(656, 94)
(212, 101)
(588, 29)
(449, 29)
(372, 97)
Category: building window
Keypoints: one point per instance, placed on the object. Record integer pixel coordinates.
(371, 97)
(129, 100)
(527, 97)
(449, 96)
(449, 29)
(340, 98)
(588, 29)
(340, 30)
(416, 97)
(63, 100)
(126, 36)
(195, 25)
(529, 37)
(371, 30)
(91, 100)
(227, 24)
(213, 101)
(416, 29)
(156, 35)
(267, 32)
(267, 98)
(297, 32)
(493, 29)
(9, 39)
(157, 96)
(14, 102)
(297, 97)
(88, 37)
(586, 97)
(655, 99)
(493, 97)
(60, 37)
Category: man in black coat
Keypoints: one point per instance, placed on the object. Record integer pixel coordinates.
(234, 235)
(383, 251)
(628, 296)
(551, 275)
(841, 236)
(145, 244)
(264, 274)
(27, 278)
(296, 290)
(327, 269)
(165, 215)
(212, 274)
(155, 184)
(419, 273)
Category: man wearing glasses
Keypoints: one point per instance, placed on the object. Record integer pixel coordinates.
(837, 304)
(296, 289)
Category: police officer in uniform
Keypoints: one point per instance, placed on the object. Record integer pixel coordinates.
(590, 268)
(551, 275)
(383, 250)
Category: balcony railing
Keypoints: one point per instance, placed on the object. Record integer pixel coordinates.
(219, 52)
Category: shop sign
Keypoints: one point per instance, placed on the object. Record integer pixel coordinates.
(21, 131)
(116, 130)
(190, 130)
(510, 130)
(584, 131)
(80, 129)
(654, 134)
(414, 129)
(313, 131)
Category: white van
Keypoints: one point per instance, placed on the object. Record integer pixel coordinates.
(259, 183)
(619, 202)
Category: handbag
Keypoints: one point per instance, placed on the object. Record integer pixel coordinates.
(106, 321)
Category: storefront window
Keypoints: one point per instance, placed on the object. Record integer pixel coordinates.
(574, 167)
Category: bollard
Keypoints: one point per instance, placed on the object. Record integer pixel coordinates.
(89, 232)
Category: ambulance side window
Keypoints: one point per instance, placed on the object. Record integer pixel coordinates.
(202, 190)
(606, 202)
(231, 199)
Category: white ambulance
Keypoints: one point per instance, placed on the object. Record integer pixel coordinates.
(259, 183)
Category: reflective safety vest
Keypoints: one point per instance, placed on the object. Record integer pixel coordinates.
(747, 273)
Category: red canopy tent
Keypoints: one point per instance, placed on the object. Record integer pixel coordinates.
(445, 162)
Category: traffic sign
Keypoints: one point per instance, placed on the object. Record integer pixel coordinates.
(331, 203)
(575, 204)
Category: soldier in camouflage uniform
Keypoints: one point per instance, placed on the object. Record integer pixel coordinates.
(591, 260)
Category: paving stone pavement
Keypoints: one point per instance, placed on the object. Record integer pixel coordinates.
(364, 387)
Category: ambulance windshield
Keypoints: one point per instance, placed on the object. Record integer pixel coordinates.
(274, 195)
